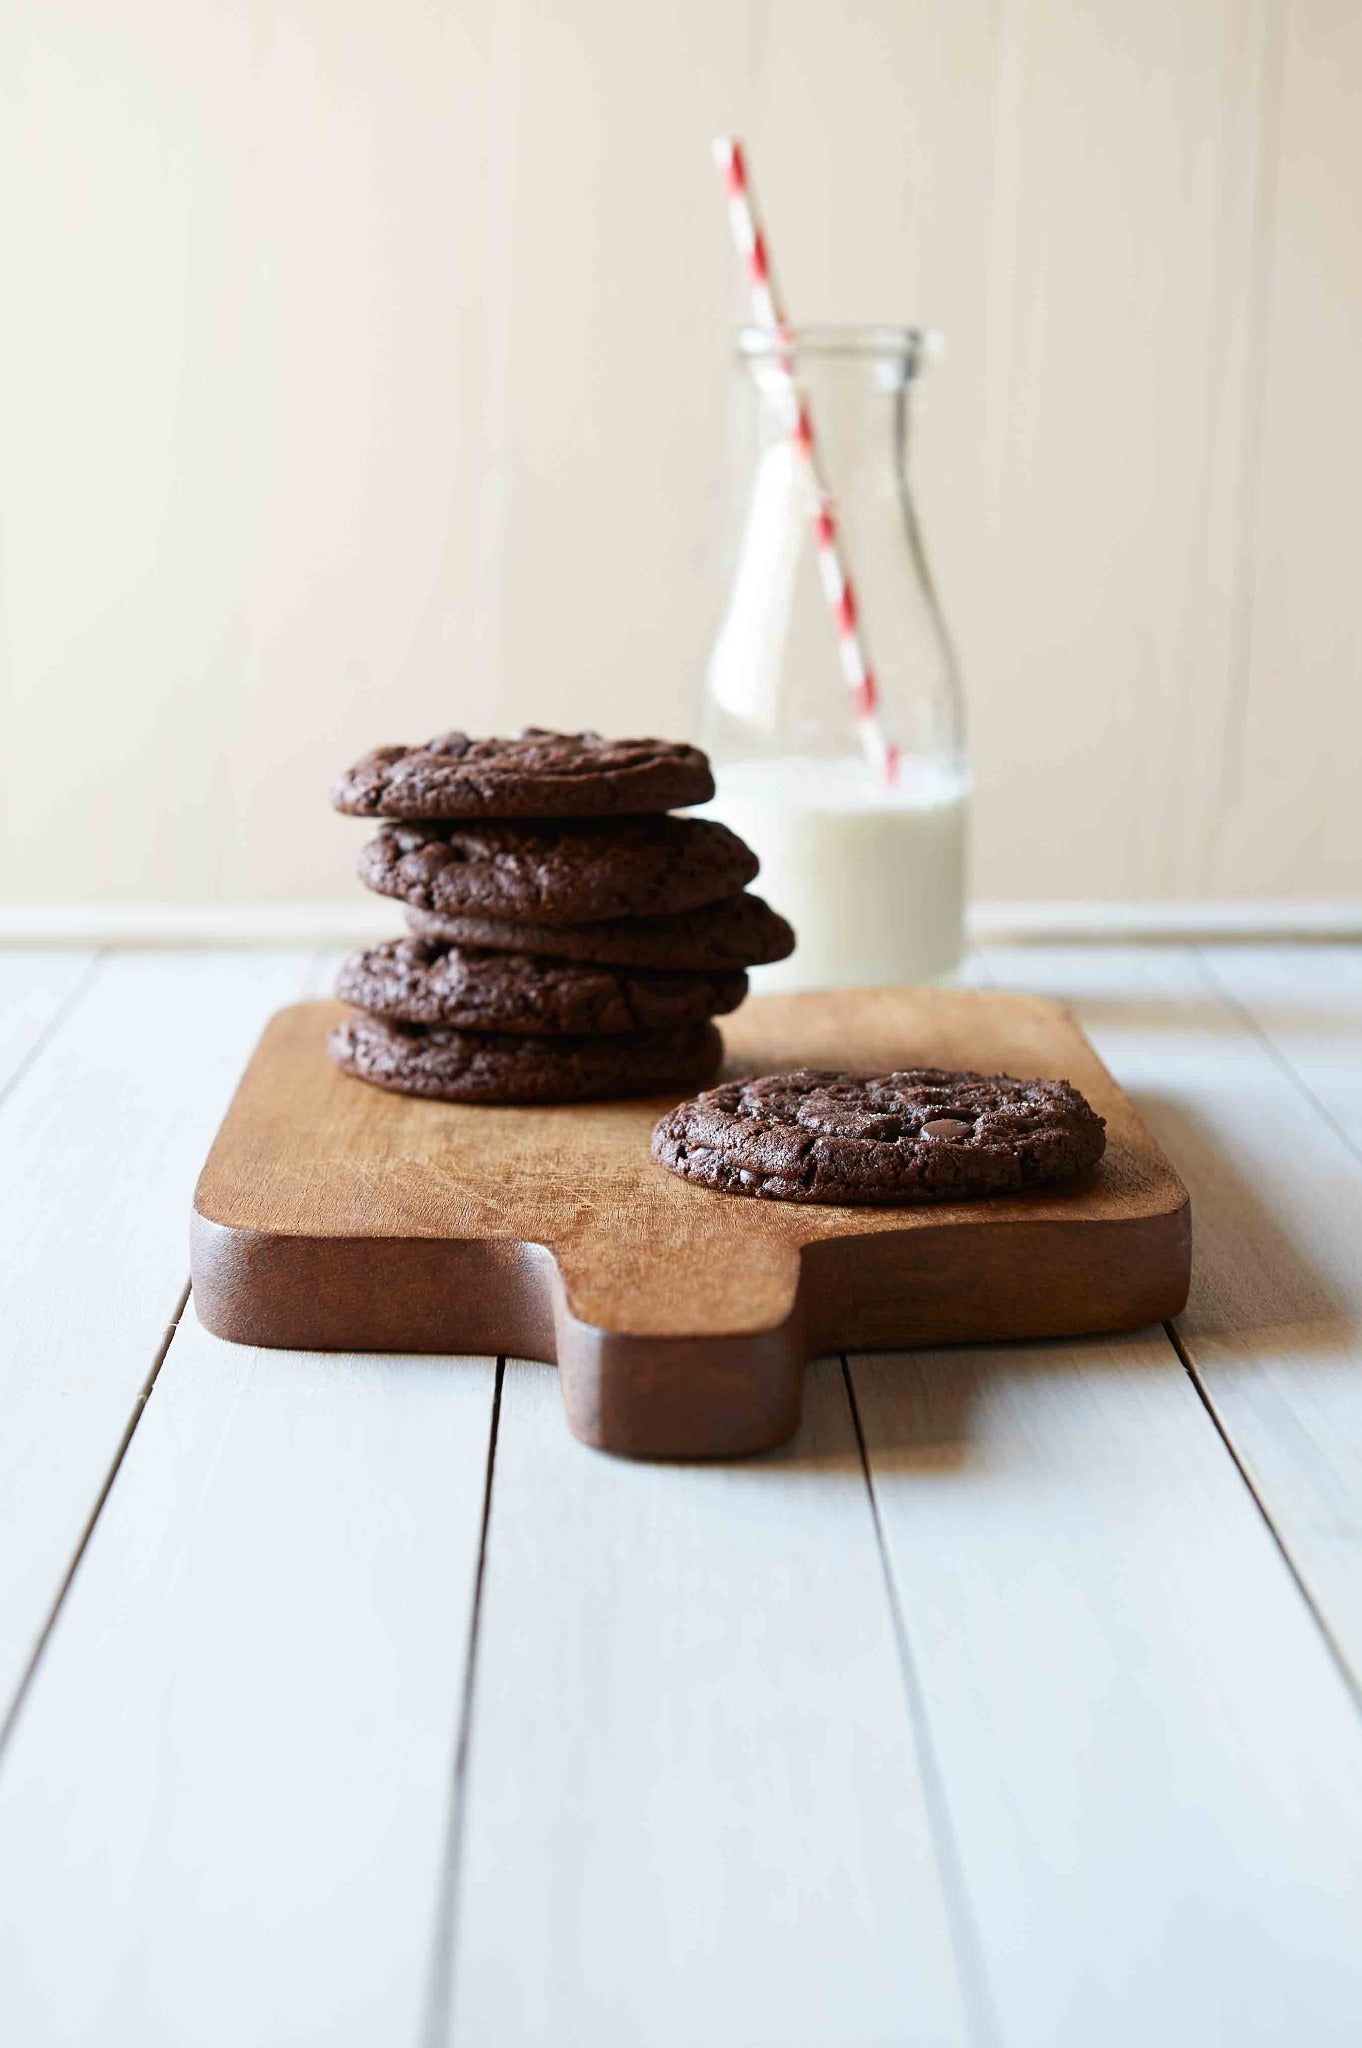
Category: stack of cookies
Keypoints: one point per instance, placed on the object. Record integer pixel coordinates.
(570, 940)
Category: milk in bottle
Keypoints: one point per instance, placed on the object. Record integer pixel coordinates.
(867, 859)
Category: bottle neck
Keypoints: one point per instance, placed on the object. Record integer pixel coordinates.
(856, 399)
(786, 676)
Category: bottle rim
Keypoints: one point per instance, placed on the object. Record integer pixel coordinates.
(904, 346)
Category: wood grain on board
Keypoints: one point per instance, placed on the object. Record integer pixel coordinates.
(335, 1215)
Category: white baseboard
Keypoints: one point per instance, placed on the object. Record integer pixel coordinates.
(287, 923)
(354, 919)
(1154, 922)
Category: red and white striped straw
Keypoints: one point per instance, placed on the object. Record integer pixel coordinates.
(767, 311)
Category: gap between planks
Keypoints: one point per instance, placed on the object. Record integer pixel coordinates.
(1331, 1642)
(692, 1767)
(28, 1054)
(16, 1706)
(318, 965)
(981, 2019)
(976, 971)
(1241, 1057)
(1221, 989)
(1154, 1775)
(438, 2028)
(235, 1763)
(439, 1996)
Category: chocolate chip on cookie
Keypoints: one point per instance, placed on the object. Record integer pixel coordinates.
(921, 1135)
(421, 981)
(738, 931)
(499, 1067)
(565, 872)
(536, 775)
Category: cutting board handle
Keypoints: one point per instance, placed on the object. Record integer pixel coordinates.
(694, 1395)
(680, 1397)
(705, 1395)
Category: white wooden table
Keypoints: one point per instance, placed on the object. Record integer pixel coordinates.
(351, 1702)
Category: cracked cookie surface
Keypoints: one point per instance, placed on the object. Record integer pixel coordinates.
(923, 1134)
(738, 931)
(537, 774)
(422, 981)
(564, 872)
(499, 1067)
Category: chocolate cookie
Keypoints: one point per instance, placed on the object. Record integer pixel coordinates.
(495, 1066)
(739, 931)
(538, 775)
(559, 873)
(419, 981)
(923, 1135)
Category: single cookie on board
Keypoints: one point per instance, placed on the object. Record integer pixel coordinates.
(420, 981)
(501, 1067)
(739, 931)
(922, 1135)
(536, 775)
(560, 873)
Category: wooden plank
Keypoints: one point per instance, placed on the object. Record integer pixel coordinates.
(1307, 1001)
(35, 985)
(1041, 187)
(101, 1139)
(693, 1809)
(224, 1809)
(228, 463)
(1152, 1766)
(1126, 178)
(1289, 823)
(1274, 1324)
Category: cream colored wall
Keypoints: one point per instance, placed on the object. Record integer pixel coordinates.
(362, 373)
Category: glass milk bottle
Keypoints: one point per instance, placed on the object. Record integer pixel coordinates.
(859, 814)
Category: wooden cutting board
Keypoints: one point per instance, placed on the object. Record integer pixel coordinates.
(333, 1216)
